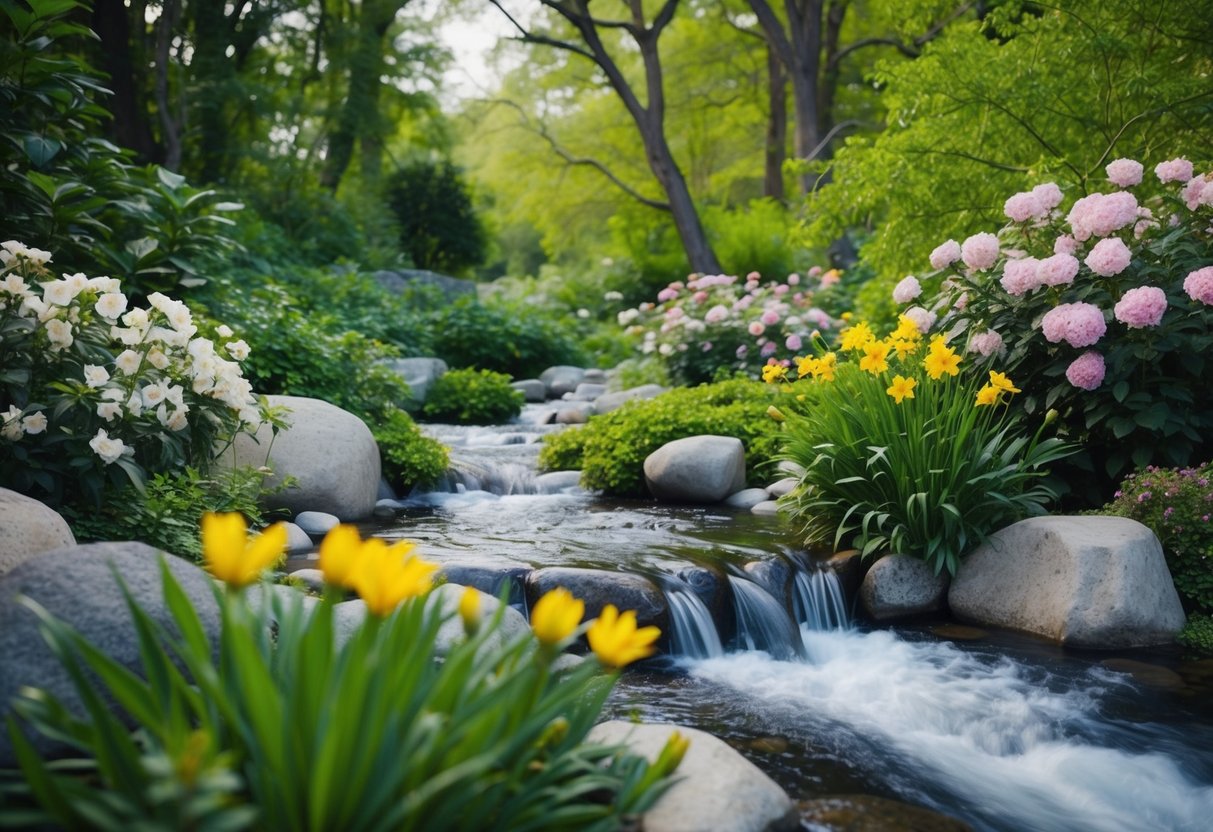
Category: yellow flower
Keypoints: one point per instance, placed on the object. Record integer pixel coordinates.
(387, 575)
(875, 357)
(804, 366)
(774, 372)
(469, 608)
(846, 316)
(987, 395)
(556, 615)
(940, 360)
(1000, 381)
(616, 640)
(824, 369)
(231, 555)
(857, 337)
(906, 330)
(902, 388)
(339, 553)
(903, 347)
(775, 413)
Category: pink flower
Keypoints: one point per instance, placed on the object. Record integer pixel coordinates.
(815, 271)
(668, 293)
(987, 343)
(781, 290)
(769, 348)
(716, 314)
(1065, 244)
(1109, 257)
(770, 318)
(793, 279)
(1174, 170)
(756, 328)
(1199, 285)
(793, 343)
(1019, 276)
(1024, 207)
(945, 254)
(1124, 173)
(1058, 270)
(1198, 191)
(908, 289)
(699, 297)
(1141, 307)
(706, 346)
(753, 277)
(742, 350)
(980, 251)
(1078, 324)
(1048, 194)
(1099, 215)
(1087, 371)
(922, 319)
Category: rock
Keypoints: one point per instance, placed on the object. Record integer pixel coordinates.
(849, 567)
(77, 586)
(567, 661)
(865, 813)
(577, 414)
(297, 540)
(1153, 675)
(419, 373)
(385, 509)
(270, 601)
(613, 401)
(329, 451)
(959, 632)
(533, 390)
(715, 788)
(561, 379)
(696, 469)
(405, 280)
(712, 588)
(792, 469)
(595, 376)
(899, 585)
(385, 492)
(766, 507)
(1097, 582)
(316, 523)
(28, 528)
(775, 576)
(586, 392)
(783, 486)
(598, 588)
(747, 498)
(311, 578)
(555, 482)
(490, 575)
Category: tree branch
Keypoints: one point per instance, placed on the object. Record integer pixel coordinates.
(527, 36)
(911, 50)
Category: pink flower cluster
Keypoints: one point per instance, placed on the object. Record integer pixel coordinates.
(1019, 276)
(1058, 270)
(1199, 285)
(1098, 215)
(908, 289)
(1034, 204)
(1078, 324)
(1141, 307)
(945, 254)
(1198, 192)
(1109, 257)
(1087, 371)
(987, 343)
(980, 251)
(1125, 173)
(1174, 170)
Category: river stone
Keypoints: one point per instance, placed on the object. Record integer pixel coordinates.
(316, 523)
(775, 576)
(313, 579)
(767, 508)
(555, 482)
(532, 389)
(613, 401)
(598, 588)
(1097, 582)
(329, 451)
(489, 575)
(577, 413)
(715, 788)
(561, 379)
(28, 528)
(899, 585)
(586, 392)
(696, 469)
(783, 486)
(747, 498)
(594, 375)
(865, 813)
(849, 567)
(77, 586)
(712, 588)
(420, 375)
(297, 540)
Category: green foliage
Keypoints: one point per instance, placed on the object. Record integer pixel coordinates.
(410, 458)
(516, 340)
(1198, 633)
(295, 730)
(610, 450)
(472, 397)
(439, 229)
(1176, 503)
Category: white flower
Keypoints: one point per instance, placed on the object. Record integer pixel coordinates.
(110, 450)
(95, 376)
(200, 348)
(58, 293)
(177, 421)
(154, 394)
(665, 349)
(157, 359)
(60, 333)
(136, 318)
(34, 423)
(135, 403)
(224, 331)
(613, 296)
(161, 301)
(105, 285)
(15, 286)
(12, 428)
(32, 306)
(111, 305)
(77, 282)
(583, 313)
(627, 316)
(109, 410)
(128, 362)
(125, 335)
(238, 350)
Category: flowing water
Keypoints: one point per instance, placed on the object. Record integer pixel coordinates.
(1004, 732)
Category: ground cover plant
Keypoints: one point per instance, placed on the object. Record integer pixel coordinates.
(472, 397)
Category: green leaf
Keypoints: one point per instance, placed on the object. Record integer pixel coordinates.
(41, 150)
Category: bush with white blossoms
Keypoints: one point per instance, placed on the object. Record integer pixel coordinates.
(714, 322)
(1102, 309)
(96, 393)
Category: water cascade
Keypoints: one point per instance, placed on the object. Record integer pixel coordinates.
(692, 630)
(763, 623)
(818, 599)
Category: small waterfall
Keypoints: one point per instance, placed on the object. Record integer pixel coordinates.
(820, 605)
(693, 630)
(487, 473)
(763, 623)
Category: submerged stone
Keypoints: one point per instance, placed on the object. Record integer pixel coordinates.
(865, 813)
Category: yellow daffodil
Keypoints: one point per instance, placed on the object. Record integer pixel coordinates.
(846, 316)
(906, 330)
(857, 337)
(469, 609)
(616, 640)
(387, 575)
(804, 366)
(339, 553)
(556, 615)
(825, 367)
(1001, 382)
(941, 360)
(875, 357)
(231, 555)
(903, 347)
(988, 395)
(775, 413)
(772, 373)
(902, 388)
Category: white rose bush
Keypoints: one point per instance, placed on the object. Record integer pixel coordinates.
(96, 392)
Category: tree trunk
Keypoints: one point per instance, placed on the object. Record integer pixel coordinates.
(213, 74)
(777, 127)
(827, 88)
(682, 207)
(165, 26)
(129, 126)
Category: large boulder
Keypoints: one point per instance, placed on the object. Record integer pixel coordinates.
(77, 585)
(532, 389)
(420, 375)
(899, 585)
(328, 451)
(598, 588)
(696, 469)
(561, 379)
(715, 789)
(613, 401)
(28, 528)
(1082, 581)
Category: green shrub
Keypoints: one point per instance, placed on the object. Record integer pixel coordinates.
(1176, 504)
(610, 450)
(1198, 633)
(517, 340)
(472, 397)
(439, 229)
(410, 458)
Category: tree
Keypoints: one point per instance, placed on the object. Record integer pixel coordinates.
(439, 229)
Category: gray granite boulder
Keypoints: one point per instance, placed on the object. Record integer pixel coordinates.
(716, 789)
(329, 451)
(297, 540)
(561, 379)
(28, 528)
(533, 390)
(586, 392)
(598, 588)
(575, 413)
(1082, 581)
(316, 523)
(696, 469)
(613, 401)
(747, 498)
(899, 585)
(768, 508)
(783, 487)
(419, 373)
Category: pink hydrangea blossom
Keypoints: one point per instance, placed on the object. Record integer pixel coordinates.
(793, 343)
(830, 278)
(1198, 191)
(753, 277)
(793, 279)
(770, 318)
(945, 254)
(1199, 285)
(769, 348)
(980, 251)
(908, 289)
(815, 271)
(1078, 324)
(699, 297)
(706, 346)
(716, 314)
(1174, 170)
(1124, 173)
(1058, 270)
(922, 319)
(1023, 207)
(1087, 371)
(1048, 194)
(782, 289)
(668, 293)
(1141, 307)
(742, 350)
(1109, 257)
(987, 343)
(756, 328)
(1098, 215)
(1019, 276)
(1065, 244)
